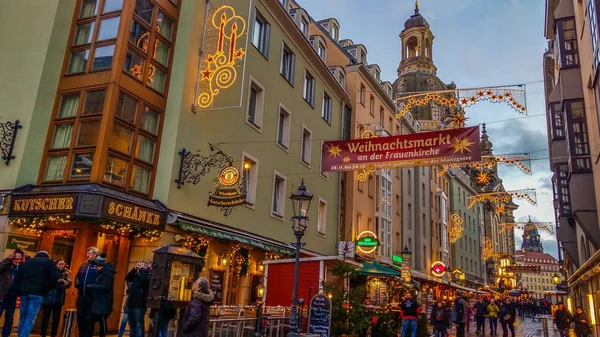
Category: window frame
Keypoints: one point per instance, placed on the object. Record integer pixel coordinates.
(309, 84)
(259, 104)
(563, 52)
(324, 175)
(285, 145)
(285, 68)
(579, 152)
(253, 175)
(303, 153)
(322, 226)
(326, 107)
(262, 45)
(557, 121)
(282, 179)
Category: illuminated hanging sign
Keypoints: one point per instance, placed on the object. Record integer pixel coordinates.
(419, 149)
(397, 259)
(228, 191)
(438, 269)
(367, 242)
(222, 55)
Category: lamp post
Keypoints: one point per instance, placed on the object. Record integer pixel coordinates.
(556, 279)
(260, 293)
(301, 202)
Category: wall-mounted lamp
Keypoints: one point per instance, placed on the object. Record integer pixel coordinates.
(260, 267)
(222, 258)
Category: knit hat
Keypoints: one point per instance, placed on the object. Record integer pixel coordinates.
(100, 261)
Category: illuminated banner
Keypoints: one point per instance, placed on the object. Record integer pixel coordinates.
(523, 269)
(419, 149)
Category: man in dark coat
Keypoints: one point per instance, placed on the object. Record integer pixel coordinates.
(86, 274)
(480, 312)
(461, 308)
(139, 277)
(102, 297)
(8, 294)
(563, 319)
(34, 280)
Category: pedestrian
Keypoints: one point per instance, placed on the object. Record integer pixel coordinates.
(197, 314)
(86, 274)
(102, 297)
(161, 318)
(507, 318)
(562, 319)
(409, 311)
(8, 294)
(34, 280)
(461, 310)
(439, 320)
(139, 277)
(54, 301)
(493, 311)
(125, 318)
(582, 325)
(480, 313)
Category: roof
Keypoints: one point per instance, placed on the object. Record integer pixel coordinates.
(535, 255)
(416, 20)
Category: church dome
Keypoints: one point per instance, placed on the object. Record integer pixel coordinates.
(416, 20)
(418, 82)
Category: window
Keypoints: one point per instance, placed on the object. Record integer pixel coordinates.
(149, 47)
(103, 25)
(304, 26)
(592, 13)
(409, 216)
(256, 98)
(321, 51)
(309, 88)
(372, 105)
(562, 172)
(385, 248)
(423, 195)
(288, 61)
(381, 117)
(322, 219)
(260, 34)
(370, 186)
(558, 126)
(278, 203)
(325, 175)
(398, 205)
(335, 33)
(409, 181)
(567, 43)
(579, 145)
(250, 177)
(326, 108)
(362, 94)
(358, 220)
(306, 145)
(369, 224)
(283, 127)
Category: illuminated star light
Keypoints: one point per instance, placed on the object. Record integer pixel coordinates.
(461, 145)
(346, 160)
(239, 53)
(483, 178)
(334, 151)
(206, 74)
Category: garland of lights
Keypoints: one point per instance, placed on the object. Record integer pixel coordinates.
(455, 231)
(488, 162)
(38, 225)
(503, 197)
(516, 98)
(364, 173)
(547, 226)
(488, 249)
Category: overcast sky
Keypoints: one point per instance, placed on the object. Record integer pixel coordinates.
(477, 43)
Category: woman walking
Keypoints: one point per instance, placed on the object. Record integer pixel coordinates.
(493, 311)
(439, 320)
(582, 326)
(197, 314)
(55, 299)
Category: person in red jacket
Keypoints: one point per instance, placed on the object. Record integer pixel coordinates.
(409, 311)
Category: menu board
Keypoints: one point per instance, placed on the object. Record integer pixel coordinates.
(179, 283)
(216, 284)
(405, 270)
(319, 316)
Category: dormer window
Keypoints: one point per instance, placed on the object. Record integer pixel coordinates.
(321, 51)
(335, 32)
(377, 75)
(363, 57)
(304, 26)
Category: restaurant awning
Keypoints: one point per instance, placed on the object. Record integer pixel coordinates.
(375, 268)
(232, 236)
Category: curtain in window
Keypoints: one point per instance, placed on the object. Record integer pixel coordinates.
(161, 53)
(78, 61)
(62, 136)
(157, 79)
(150, 121)
(145, 150)
(83, 34)
(141, 179)
(56, 168)
(68, 106)
(88, 8)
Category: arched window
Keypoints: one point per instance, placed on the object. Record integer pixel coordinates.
(412, 46)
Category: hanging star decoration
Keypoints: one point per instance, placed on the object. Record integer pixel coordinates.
(483, 178)
(523, 162)
(500, 209)
(334, 151)
(461, 145)
(219, 70)
(546, 226)
(514, 96)
(364, 173)
(458, 119)
(504, 197)
(455, 231)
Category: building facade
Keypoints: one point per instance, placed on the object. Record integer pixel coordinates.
(571, 92)
(536, 283)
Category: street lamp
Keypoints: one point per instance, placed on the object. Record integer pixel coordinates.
(260, 293)
(301, 202)
(556, 279)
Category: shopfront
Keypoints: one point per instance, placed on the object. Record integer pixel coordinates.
(66, 220)
(233, 260)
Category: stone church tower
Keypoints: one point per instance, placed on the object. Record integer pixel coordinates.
(531, 239)
(417, 72)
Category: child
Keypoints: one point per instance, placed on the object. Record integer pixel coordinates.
(439, 319)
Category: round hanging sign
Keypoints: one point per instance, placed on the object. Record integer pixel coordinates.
(229, 176)
(367, 242)
(438, 269)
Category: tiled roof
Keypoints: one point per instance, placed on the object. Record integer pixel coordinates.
(535, 255)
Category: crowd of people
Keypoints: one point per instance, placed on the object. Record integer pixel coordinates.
(448, 315)
(41, 283)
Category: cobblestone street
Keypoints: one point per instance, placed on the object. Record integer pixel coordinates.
(526, 328)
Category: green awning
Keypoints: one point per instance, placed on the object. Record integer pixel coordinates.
(375, 268)
(246, 240)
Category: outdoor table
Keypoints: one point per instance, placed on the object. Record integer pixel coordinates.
(545, 319)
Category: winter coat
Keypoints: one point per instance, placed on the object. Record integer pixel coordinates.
(581, 327)
(57, 295)
(5, 276)
(562, 318)
(493, 310)
(102, 290)
(439, 318)
(410, 309)
(37, 276)
(138, 291)
(462, 310)
(508, 309)
(481, 309)
(196, 316)
(86, 274)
